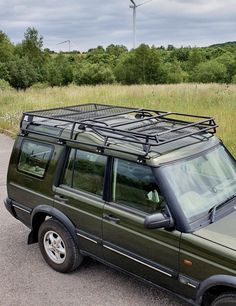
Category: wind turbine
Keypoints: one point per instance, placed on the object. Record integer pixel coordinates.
(134, 6)
(64, 42)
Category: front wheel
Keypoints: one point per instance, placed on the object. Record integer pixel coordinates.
(225, 299)
(58, 247)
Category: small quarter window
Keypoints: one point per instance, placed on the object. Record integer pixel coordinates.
(34, 158)
(134, 185)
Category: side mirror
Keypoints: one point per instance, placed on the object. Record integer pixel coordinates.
(158, 220)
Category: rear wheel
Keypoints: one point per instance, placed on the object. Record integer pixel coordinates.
(58, 247)
(225, 299)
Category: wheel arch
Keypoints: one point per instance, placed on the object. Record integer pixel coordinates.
(220, 282)
(39, 215)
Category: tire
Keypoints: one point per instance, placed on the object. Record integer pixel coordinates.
(225, 299)
(58, 247)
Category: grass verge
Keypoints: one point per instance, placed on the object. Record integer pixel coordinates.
(213, 99)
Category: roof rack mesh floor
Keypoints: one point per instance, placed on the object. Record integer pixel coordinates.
(146, 127)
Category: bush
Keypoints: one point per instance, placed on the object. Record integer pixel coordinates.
(234, 79)
(4, 85)
(141, 66)
(93, 74)
(39, 85)
(22, 74)
(210, 72)
(59, 71)
(174, 73)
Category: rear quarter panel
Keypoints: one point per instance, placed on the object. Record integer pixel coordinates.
(26, 189)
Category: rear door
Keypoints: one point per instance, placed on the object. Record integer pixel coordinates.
(150, 254)
(80, 197)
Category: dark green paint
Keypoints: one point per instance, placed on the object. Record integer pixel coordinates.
(126, 243)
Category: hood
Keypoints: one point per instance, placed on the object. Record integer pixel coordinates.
(221, 232)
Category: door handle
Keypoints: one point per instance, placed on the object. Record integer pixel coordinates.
(60, 198)
(111, 218)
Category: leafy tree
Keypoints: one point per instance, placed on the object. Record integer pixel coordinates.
(116, 50)
(170, 47)
(229, 61)
(97, 55)
(140, 66)
(54, 77)
(4, 85)
(144, 65)
(181, 54)
(210, 72)
(234, 79)
(31, 47)
(6, 48)
(59, 71)
(63, 64)
(195, 58)
(174, 73)
(4, 71)
(93, 74)
(22, 74)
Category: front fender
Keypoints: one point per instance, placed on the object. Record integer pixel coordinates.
(216, 280)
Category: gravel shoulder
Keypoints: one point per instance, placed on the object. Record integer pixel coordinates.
(27, 280)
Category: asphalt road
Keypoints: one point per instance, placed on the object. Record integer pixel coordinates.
(25, 279)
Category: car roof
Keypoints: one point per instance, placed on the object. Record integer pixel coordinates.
(143, 133)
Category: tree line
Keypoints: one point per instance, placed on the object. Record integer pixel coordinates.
(27, 64)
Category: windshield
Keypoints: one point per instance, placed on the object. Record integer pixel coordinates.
(202, 182)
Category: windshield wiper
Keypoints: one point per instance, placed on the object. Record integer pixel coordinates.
(213, 210)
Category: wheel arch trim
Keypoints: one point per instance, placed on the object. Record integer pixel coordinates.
(52, 212)
(213, 281)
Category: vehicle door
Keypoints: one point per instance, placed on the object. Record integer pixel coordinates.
(80, 197)
(150, 254)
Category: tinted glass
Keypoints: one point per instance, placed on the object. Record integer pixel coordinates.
(202, 182)
(134, 185)
(69, 169)
(85, 171)
(34, 158)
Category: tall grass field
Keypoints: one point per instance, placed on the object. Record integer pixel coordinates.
(214, 100)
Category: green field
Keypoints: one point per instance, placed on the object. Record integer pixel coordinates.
(215, 100)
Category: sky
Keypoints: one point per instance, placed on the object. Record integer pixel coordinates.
(89, 23)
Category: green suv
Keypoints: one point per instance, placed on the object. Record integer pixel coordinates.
(148, 192)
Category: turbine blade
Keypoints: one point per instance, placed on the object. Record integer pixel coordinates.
(63, 42)
(143, 3)
(133, 2)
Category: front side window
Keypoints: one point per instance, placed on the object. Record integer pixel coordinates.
(34, 158)
(134, 185)
(202, 182)
(85, 171)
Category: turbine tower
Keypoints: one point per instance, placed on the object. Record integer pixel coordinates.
(134, 7)
(64, 42)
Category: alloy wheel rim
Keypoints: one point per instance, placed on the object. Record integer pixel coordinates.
(54, 247)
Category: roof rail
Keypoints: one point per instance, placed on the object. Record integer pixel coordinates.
(146, 127)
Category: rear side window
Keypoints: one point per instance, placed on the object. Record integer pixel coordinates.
(34, 158)
(85, 171)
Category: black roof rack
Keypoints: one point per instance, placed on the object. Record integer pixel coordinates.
(146, 127)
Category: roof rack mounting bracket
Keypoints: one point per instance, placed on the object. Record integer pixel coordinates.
(82, 127)
(100, 150)
(141, 159)
(61, 141)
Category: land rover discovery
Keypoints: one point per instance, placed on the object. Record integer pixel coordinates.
(148, 192)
